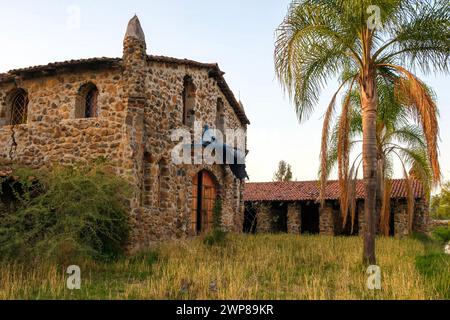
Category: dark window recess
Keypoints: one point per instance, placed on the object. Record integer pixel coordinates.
(91, 103)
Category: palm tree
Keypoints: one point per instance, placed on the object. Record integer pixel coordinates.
(322, 39)
(398, 137)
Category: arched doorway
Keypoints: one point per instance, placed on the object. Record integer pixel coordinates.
(204, 194)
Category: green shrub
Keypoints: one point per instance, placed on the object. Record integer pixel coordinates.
(440, 204)
(66, 213)
(442, 234)
(217, 236)
(435, 267)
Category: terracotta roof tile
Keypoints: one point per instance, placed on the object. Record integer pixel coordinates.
(309, 191)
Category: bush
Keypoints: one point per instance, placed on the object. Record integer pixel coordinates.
(217, 236)
(440, 204)
(442, 234)
(69, 213)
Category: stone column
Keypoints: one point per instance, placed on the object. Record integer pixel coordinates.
(134, 71)
(326, 222)
(401, 220)
(294, 218)
(133, 147)
(263, 216)
(421, 216)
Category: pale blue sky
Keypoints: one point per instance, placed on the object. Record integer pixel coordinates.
(239, 35)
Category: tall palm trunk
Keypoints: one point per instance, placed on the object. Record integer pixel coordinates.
(369, 103)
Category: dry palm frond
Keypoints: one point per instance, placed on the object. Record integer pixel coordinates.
(414, 93)
(324, 144)
(344, 153)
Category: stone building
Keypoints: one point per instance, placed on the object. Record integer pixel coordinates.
(292, 207)
(125, 109)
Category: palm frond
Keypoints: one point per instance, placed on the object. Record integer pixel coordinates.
(415, 94)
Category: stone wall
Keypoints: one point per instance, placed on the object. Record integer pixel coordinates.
(330, 220)
(327, 219)
(140, 103)
(422, 220)
(264, 218)
(294, 218)
(52, 133)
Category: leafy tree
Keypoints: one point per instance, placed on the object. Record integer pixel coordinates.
(322, 39)
(283, 173)
(440, 204)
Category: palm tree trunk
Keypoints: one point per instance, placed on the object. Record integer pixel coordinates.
(369, 103)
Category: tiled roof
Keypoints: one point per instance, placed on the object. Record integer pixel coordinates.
(51, 68)
(309, 191)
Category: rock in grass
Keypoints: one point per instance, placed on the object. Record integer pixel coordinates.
(447, 249)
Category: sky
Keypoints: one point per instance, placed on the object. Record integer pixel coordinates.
(239, 35)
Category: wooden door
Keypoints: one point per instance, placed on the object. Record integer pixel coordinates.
(204, 193)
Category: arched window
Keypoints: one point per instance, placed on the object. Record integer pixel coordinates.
(87, 106)
(18, 111)
(220, 116)
(189, 92)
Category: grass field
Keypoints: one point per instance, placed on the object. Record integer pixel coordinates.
(246, 267)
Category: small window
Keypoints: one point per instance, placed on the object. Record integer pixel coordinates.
(156, 182)
(18, 112)
(189, 94)
(87, 102)
(220, 116)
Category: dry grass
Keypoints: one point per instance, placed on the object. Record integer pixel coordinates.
(248, 267)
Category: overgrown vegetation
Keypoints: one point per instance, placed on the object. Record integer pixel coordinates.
(440, 204)
(247, 267)
(66, 214)
(217, 236)
(442, 234)
(434, 265)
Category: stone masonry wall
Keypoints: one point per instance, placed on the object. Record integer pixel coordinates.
(294, 218)
(263, 215)
(164, 110)
(52, 134)
(326, 222)
(140, 103)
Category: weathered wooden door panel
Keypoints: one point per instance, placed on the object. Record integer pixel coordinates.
(204, 192)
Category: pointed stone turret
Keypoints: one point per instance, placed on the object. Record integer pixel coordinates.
(134, 45)
(134, 30)
(135, 57)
